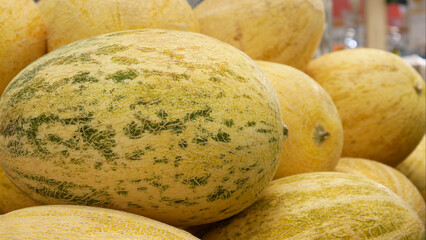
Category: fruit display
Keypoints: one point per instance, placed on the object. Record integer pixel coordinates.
(22, 37)
(81, 222)
(388, 177)
(145, 121)
(315, 130)
(283, 31)
(380, 98)
(323, 205)
(71, 20)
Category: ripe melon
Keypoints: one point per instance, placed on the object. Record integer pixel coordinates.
(323, 205)
(380, 98)
(388, 177)
(11, 198)
(22, 37)
(145, 121)
(80, 222)
(283, 31)
(72, 20)
(315, 129)
(414, 167)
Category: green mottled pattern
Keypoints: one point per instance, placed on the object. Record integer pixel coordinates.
(322, 206)
(172, 125)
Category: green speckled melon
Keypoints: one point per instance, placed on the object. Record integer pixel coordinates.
(172, 125)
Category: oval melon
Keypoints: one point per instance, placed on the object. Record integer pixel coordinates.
(80, 222)
(323, 205)
(388, 177)
(22, 37)
(72, 20)
(380, 98)
(283, 31)
(146, 121)
(11, 198)
(414, 167)
(316, 134)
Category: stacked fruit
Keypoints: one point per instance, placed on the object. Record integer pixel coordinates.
(135, 126)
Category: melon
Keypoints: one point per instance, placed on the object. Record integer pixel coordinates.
(283, 31)
(388, 177)
(414, 167)
(11, 198)
(145, 121)
(81, 222)
(380, 99)
(323, 205)
(22, 37)
(72, 20)
(315, 130)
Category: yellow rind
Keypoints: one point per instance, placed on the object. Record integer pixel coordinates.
(381, 101)
(80, 222)
(283, 31)
(388, 177)
(72, 20)
(307, 110)
(322, 206)
(22, 37)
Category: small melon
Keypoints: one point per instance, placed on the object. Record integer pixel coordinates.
(72, 20)
(315, 129)
(380, 98)
(22, 37)
(323, 205)
(283, 31)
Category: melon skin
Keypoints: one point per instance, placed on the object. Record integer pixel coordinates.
(323, 205)
(315, 129)
(22, 37)
(380, 99)
(269, 30)
(72, 20)
(11, 198)
(388, 177)
(414, 167)
(145, 121)
(81, 222)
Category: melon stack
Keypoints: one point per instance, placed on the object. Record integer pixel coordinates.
(135, 126)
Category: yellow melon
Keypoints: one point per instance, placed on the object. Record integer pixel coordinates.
(388, 177)
(315, 129)
(284, 31)
(22, 37)
(380, 98)
(72, 20)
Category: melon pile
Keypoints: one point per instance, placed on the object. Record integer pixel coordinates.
(137, 126)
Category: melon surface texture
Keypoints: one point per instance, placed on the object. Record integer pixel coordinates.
(283, 31)
(72, 20)
(414, 167)
(388, 177)
(22, 37)
(315, 129)
(81, 222)
(172, 125)
(381, 101)
(323, 206)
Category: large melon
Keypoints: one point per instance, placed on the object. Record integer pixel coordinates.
(11, 198)
(380, 98)
(414, 167)
(22, 37)
(72, 20)
(80, 222)
(315, 129)
(323, 206)
(173, 125)
(388, 177)
(284, 31)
